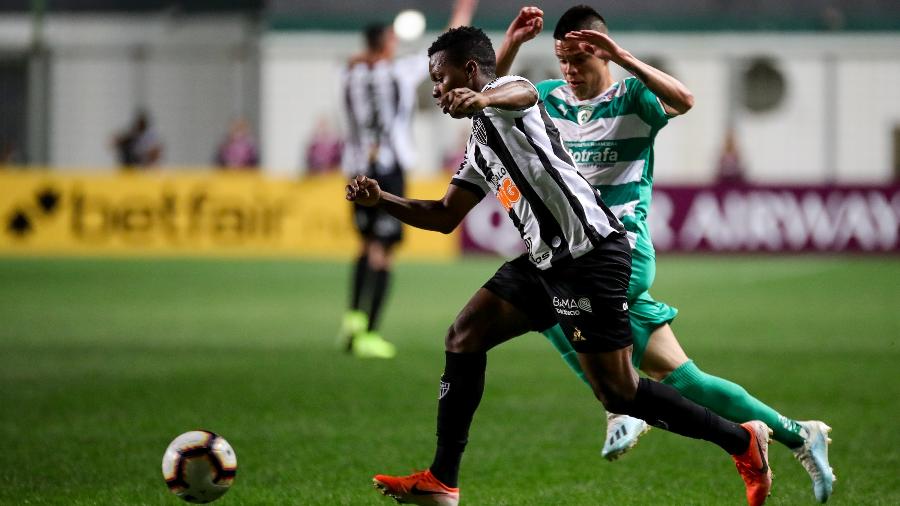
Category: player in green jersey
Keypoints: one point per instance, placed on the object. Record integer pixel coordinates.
(609, 129)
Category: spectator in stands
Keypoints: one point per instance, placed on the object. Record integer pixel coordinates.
(140, 146)
(730, 167)
(323, 153)
(238, 150)
(8, 154)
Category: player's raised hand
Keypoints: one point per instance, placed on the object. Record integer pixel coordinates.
(364, 191)
(462, 13)
(463, 102)
(599, 44)
(526, 26)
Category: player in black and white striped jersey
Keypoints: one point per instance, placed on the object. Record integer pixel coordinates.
(517, 155)
(379, 94)
(575, 272)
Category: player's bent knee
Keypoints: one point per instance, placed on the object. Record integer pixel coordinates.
(617, 396)
(462, 338)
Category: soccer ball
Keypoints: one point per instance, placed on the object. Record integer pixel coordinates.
(199, 466)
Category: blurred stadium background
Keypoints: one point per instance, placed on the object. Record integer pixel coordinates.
(140, 302)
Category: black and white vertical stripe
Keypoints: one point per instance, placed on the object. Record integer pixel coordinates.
(379, 101)
(558, 213)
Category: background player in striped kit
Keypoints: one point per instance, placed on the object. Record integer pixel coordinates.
(379, 100)
(575, 271)
(609, 127)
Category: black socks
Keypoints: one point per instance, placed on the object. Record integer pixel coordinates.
(462, 385)
(380, 280)
(662, 406)
(369, 290)
(360, 272)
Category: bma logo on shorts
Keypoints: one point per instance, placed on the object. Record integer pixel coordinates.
(571, 306)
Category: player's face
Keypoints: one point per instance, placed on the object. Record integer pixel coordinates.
(390, 42)
(446, 76)
(581, 70)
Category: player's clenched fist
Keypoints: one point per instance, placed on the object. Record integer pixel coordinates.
(364, 191)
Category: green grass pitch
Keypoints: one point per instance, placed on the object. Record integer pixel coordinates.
(103, 362)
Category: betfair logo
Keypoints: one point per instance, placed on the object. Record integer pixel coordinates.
(141, 218)
(23, 219)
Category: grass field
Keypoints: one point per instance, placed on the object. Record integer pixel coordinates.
(103, 362)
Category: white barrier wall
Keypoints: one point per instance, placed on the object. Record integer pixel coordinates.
(194, 74)
(817, 134)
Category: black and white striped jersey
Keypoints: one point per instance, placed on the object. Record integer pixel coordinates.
(379, 101)
(517, 155)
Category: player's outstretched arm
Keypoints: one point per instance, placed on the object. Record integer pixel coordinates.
(674, 95)
(526, 26)
(439, 215)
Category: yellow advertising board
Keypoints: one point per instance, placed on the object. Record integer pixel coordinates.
(191, 213)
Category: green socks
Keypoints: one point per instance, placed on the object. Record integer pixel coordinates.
(731, 401)
(723, 397)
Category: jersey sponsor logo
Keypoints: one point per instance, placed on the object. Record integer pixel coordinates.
(535, 259)
(508, 193)
(570, 306)
(584, 304)
(607, 155)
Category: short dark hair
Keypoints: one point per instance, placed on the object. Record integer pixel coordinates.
(466, 43)
(374, 35)
(580, 17)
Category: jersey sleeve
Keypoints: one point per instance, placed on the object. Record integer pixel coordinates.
(647, 105)
(544, 88)
(506, 113)
(469, 179)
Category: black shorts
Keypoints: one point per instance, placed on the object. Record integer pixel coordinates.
(587, 297)
(376, 224)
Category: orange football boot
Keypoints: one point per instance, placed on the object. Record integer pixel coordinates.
(418, 488)
(753, 464)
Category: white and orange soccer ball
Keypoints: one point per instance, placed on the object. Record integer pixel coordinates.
(199, 466)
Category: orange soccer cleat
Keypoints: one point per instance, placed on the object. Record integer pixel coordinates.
(753, 464)
(418, 488)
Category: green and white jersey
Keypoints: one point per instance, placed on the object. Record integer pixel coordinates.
(610, 138)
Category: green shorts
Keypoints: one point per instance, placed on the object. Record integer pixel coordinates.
(646, 313)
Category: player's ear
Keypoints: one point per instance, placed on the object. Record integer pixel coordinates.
(471, 69)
